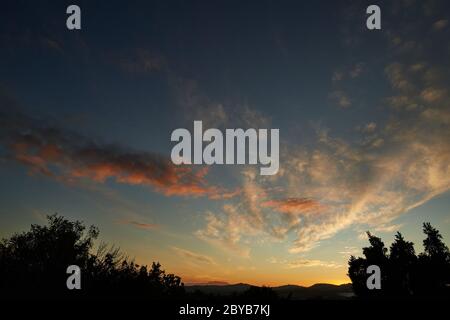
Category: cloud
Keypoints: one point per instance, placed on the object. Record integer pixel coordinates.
(403, 102)
(363, 235)
(203, 281)
(431, 94)
(370, 127)
(356, 70)
(337, 76)
(437, 116)
(140, 225)
(351, 72)
(196, 105)
(341, 98)
(139, 61)
(388, 228)
(350, 251)
(52, 44)
(69, 158)
(293, 205)
(365, 182)
(398, 77)
(226, 231)
(416, 86)
(306, 263)
(440, 24)
(193, 256)
(240, 222)
(365, 186)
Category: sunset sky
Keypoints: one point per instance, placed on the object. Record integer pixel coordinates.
(364, 119)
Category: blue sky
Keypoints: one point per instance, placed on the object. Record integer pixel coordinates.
(363, 118)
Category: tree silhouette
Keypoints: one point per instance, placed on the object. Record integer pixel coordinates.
(403, 274)
(402, 260)
(34, 263)
(433, 269)
(357, 273)
(375, 254)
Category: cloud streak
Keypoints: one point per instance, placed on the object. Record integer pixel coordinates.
(306, 263)
(193, 256)
(140, 225)
(293, 205)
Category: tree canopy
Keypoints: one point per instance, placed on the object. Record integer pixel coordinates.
(34, 263)
(403, 273)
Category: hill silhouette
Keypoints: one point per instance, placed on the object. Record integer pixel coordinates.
(293, 292)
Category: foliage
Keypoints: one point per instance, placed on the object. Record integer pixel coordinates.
(34, 264)
(403, 274)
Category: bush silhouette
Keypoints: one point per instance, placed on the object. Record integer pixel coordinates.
(403, 274)
(33, 264)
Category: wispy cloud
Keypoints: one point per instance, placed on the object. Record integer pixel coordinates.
(140, 225)
(305, 263)
(341, 98)
(388, 228)
(369, 127)
(193, 256)
(349, 72)
(196, 105)
(226, 231)
(293, 205)
(138, 61)
(367, 181)
(349, 250)
(356, 70)
(440, 24)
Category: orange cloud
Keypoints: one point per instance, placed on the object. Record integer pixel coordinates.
(293, 205)
(67, 157)
(193, 256)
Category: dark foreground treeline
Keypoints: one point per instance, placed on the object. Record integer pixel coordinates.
(33, 265)
(403, 273)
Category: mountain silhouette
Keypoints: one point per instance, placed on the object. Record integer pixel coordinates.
(295, 292)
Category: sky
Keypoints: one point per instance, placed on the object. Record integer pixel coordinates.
(364, 118)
